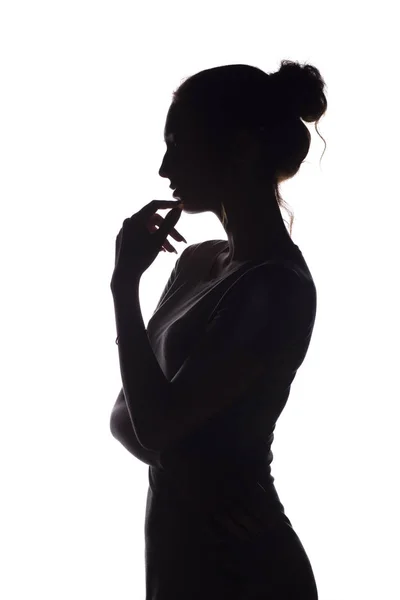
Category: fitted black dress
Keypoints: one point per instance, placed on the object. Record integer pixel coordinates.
(215, 526)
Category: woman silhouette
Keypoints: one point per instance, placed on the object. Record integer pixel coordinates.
(231, 329)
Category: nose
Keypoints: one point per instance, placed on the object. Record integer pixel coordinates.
(166, 173)
(162, 171)
(162, 174)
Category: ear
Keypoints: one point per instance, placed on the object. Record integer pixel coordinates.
(245, 148)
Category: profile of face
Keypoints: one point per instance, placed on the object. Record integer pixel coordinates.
(204, 179)
(191, 164)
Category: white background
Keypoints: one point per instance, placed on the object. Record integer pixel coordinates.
(85, 90)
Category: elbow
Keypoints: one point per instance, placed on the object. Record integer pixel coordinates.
(114, 424)
(114, 431)
(148, 444)
(155, 443)
(147, 434)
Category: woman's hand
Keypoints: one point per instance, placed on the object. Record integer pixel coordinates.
(139, 242)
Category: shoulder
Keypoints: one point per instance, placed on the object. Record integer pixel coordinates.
(195, 250)
(206, 248)
(272, 292)
(200, 252)
(271, 278)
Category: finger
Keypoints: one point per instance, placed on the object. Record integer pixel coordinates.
(152, 228)
(173, 233)
(166, 227)
(155, 205)
(166, 245)
(177, 236)
(169, 247)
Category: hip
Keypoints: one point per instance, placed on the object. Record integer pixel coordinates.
(257, 553)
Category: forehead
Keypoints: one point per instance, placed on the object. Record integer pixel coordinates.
(173, 124)
(179, 123)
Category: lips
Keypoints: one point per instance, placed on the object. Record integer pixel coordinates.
(177, 194)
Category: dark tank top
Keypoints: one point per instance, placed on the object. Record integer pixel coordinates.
(229, 456)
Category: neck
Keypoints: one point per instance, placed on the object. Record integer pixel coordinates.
(255, 234)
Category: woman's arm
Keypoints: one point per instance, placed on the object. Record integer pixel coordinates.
(120, 422)
(122, 430)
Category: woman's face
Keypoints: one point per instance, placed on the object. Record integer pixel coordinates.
(191, 164)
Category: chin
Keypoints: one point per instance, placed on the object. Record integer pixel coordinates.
(189, 207)
(195, 204)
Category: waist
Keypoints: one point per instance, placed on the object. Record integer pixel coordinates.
(217, 490)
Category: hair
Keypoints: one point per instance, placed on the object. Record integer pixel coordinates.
(233, 97)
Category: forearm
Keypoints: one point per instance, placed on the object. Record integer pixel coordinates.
(145, 387)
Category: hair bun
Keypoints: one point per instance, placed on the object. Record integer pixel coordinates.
(301, 90)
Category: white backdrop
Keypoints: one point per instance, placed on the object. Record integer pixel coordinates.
(85, 90)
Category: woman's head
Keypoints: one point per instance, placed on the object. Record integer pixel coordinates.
(236, 126)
